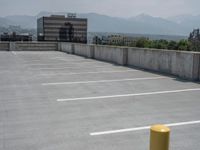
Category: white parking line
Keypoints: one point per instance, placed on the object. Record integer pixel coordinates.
(56, 64)
(98, 66)
(47, 64)
(67, 57)
(143, 128)
(128, 95)
(31, 61)
(65, 68)
(73, 60)
(80, 60)
(103, 81)
(81, 73)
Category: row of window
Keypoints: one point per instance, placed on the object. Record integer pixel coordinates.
(63, 22)
(80, 40)
(57, 35)
(58, 27)
(62, 19)
(58, 30)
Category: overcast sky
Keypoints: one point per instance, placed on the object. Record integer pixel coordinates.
(119, 8)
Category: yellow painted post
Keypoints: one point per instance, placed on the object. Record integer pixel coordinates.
(159, 137)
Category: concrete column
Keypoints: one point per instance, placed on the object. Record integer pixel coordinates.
(196, 67)
(125, 57)
(199, 67)
(12, 46)
(72, 48)
(91, 51)
(58, 46)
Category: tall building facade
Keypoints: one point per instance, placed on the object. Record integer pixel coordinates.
(61, 28)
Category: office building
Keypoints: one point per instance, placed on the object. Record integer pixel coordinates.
(61, 28)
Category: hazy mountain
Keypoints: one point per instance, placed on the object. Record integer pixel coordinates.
(102, 23)
(142, 24)
(23, 21)
(189, 21)
(4, 22)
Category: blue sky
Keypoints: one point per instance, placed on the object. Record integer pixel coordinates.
(119, 8)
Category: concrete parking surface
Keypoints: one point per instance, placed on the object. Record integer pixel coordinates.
(56, 101)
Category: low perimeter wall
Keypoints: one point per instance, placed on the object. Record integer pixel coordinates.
(116, 55)
(110, 54)
(66, 47)
(4, 46)
(180, 63)
(29, 46)
(199, 68)
(84, 50)
(183, 64)
(34, 46)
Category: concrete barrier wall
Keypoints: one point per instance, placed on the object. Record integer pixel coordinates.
(116, 55)
(199, 66)
(34, 46)
(182, 64)
(4, 46)
(66, 47)
(179, 63)
(84, 50)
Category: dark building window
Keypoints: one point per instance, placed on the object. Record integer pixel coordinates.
(67, 33)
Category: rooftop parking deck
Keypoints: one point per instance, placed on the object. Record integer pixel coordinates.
(55, 101)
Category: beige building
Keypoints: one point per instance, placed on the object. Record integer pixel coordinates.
(121, 40)
(61, 28)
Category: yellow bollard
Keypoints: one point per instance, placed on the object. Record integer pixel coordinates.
(159, 137)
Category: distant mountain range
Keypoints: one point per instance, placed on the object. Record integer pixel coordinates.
(141, 24)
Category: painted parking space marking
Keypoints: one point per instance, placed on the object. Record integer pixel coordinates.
(103, 81)
(55, 68)
(94, 72)
(64, 68)
(60, 63)
(71, 60)
(128, 95)
(142, 128)
(47, 64)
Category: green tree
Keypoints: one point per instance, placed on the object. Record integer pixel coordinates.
(142, 43)
(172, 45)
(133, 44)
(159, 44)
(183, 45)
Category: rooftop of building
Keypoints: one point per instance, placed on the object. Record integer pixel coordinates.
(53, 100)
